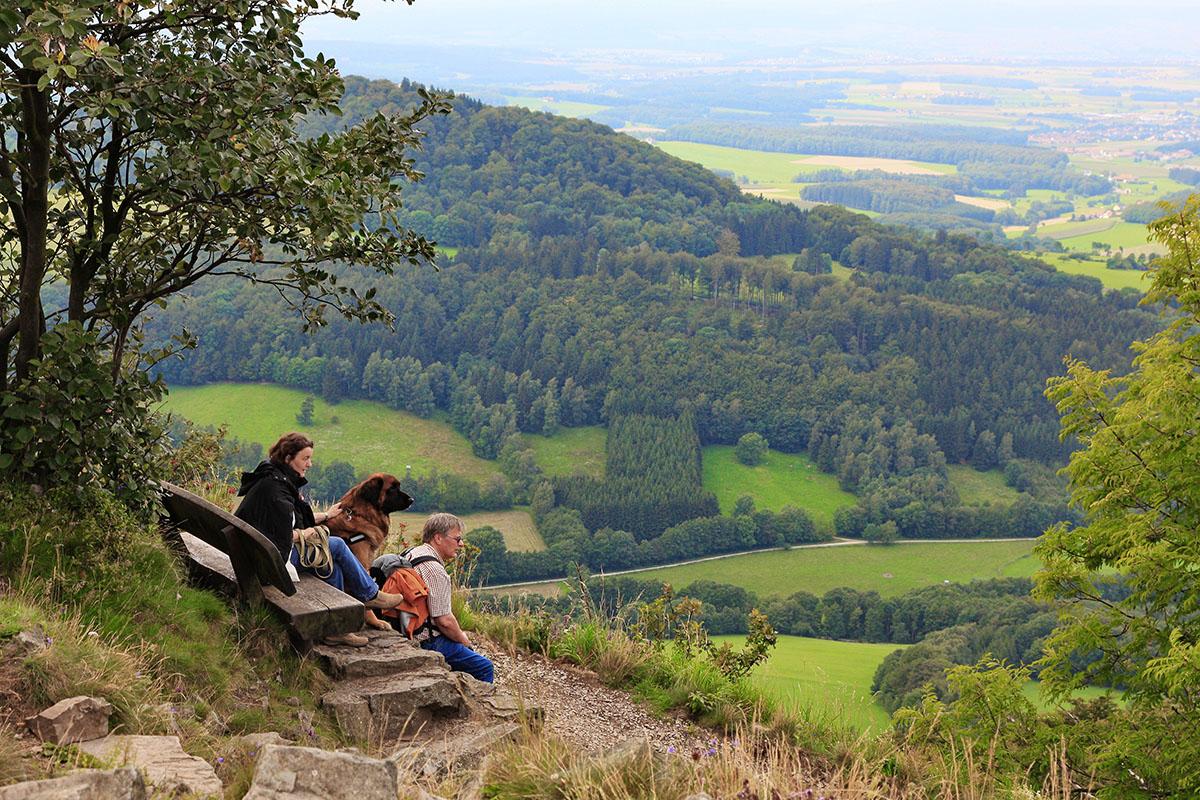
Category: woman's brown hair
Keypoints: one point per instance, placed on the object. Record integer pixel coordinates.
(288, 445)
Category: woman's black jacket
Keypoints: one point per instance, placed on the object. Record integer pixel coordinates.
(272, 503)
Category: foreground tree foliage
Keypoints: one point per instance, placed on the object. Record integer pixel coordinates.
(1136, 480)
(1122, 582)
(144, 145)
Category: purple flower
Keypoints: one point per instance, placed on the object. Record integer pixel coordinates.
(220, 760)
(670, 749)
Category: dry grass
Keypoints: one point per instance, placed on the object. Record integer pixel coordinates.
(520, 534)
(752, 764)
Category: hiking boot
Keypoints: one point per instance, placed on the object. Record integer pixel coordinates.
(384, 600)
(349, 639)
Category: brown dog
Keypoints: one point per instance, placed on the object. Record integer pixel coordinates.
(364, 521)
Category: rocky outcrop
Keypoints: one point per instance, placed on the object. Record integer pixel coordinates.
(385, 654)
(75, 719)
(456, 754)
(393, 705)
(24, 643)
(112, 784)
(306, 773)
(166, 766)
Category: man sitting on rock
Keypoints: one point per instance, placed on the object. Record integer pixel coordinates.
(441, 537)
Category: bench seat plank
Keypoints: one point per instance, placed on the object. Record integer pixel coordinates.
(315, 609)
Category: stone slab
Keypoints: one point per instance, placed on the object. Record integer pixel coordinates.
(109, 784)
(306, 773)
(162, 758)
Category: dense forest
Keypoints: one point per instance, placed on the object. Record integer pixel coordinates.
(597, 279)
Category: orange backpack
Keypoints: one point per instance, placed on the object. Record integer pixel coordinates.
(399, 577)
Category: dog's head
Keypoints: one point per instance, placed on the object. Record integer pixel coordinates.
(383, 491)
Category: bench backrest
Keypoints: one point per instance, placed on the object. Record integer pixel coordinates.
(248, 550)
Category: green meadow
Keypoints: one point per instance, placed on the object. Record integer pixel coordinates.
(370, 436)
(570, 450)
(831, 678)
(1096, 268)
(976, 488)
(757, 165)
(834, 678)
(1127, 236)
(784, 479)
(890, 570)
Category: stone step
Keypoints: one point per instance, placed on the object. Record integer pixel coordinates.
(386, 653)
(394, 705)
(465, 751)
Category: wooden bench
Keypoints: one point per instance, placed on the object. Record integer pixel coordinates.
(226, 554)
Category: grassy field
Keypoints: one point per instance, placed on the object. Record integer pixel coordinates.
(977, 488)
(785, 479)
(890, 570)
(569, 450)
(834, 677)
(368, 435)
(1111, 278)
(520, 534)
(1129, 236)
(770, 174)
(757, 165)
(564, 108)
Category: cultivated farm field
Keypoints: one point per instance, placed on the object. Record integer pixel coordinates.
(890, 570)
(520, 534)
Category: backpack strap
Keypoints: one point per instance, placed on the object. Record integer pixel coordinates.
(428, 624)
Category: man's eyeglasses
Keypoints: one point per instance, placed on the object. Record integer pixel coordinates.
(458, 539)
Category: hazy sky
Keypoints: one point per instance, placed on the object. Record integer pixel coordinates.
(1145, 30)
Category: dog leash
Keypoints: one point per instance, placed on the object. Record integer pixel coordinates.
(313, 551)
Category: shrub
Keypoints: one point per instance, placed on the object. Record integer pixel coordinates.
(751, 449)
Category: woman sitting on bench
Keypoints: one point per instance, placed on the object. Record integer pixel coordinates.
(272, 504)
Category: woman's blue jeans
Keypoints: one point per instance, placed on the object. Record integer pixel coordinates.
(348, 574)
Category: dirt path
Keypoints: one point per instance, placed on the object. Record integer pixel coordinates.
(588, 714)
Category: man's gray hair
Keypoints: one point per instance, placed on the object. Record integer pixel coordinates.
(440, 523)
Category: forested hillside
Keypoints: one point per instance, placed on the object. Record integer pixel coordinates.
(597, 278)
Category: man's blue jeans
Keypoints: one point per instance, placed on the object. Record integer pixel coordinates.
(348, 575)
(462, 658)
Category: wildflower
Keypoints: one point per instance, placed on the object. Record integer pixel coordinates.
(251, 752)
(49, 640)
(695, 754)
(670, 749)
(92, 633)
(220, 760)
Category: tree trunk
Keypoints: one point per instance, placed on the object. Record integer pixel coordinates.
(34, 144)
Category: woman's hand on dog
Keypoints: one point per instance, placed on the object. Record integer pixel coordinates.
(334, 510)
